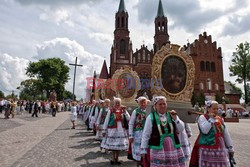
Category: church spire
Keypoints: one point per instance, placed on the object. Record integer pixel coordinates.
(122, 6)
(161, 29)
(160, 12)
(104, 72)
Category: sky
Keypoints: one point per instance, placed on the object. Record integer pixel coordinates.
(31, 30)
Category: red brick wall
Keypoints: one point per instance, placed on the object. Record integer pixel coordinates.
(204, 50)
(233, 99)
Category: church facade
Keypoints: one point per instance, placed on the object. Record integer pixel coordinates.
(206, 55)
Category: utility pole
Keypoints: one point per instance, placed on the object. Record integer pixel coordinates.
(73, 98)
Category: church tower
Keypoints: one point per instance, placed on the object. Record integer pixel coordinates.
(161, 29)
(121, 51)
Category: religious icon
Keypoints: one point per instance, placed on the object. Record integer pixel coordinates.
(126, 85)
(173, 74)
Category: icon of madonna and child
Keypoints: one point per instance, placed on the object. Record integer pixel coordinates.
(173, 74)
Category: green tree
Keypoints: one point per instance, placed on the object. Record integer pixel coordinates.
(52, 74)
(68, 95)
(30, 89)
(240, 66)
(1, 94)
(248, 92)
(200, 98)
(11, 96)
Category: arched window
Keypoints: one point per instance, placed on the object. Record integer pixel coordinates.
(201, 86)
(148, 57)
(216, 87)
(207, 66)
(163, 27)
(209, 85)
(159, 26)
(143, 56)
(213, 67)
(122, 22)
(118, 22)
(122, 47)
(202, 66)
(139, 57)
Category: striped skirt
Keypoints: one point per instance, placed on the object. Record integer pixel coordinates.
(169, 156)
(214, 157)
(116, 138)
(136, 146)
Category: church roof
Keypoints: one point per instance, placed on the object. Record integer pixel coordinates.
(104, 72)
(229, 89)
(160, 12)
(122, 6)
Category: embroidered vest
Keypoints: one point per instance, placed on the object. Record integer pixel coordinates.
(103, 116)
(139, 120)
(115, 117)
(86, 108)
(93, 113)
(211, 139)
(159, 133)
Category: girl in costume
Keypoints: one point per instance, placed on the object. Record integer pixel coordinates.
(100, 120)
(116, 130)
(213, 145)
(185, 143)
(160, 136)
(74, 114)
(136, 125)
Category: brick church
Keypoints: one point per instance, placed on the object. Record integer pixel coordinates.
(206, 55)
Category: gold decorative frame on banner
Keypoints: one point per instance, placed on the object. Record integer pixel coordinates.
(178, 69)
(121, 78)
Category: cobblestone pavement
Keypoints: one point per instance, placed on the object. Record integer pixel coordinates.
(15, 142)
(7, 124)
(77, 147)
(69, 147)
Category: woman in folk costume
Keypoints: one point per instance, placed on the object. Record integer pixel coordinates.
(86, 111)
(87, 116)
(13, 107)
(101, 118)
(74, 114)
(92, 116)
(116, 130)
(136, 125)
(185, 144)
(160, 136)
(213, 145)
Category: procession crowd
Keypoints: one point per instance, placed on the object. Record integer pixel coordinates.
(13, 107)
(157, 139)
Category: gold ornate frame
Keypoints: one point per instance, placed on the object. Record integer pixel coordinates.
(118, 73)
(173, 50)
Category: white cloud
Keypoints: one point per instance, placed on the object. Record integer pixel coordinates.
(57, 16)
(101, 37)
(12, 72)
(68, 50)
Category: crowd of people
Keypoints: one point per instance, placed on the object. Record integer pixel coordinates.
(13, 107)
(225, 113)
(157, 139)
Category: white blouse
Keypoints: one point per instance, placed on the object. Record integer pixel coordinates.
(132, 122)
(205, 126)
(147, 131)
(105, 125)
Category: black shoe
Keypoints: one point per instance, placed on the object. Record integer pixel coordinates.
(112, 162)
(118, 162)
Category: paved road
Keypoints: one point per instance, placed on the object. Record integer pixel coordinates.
(51, 142)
